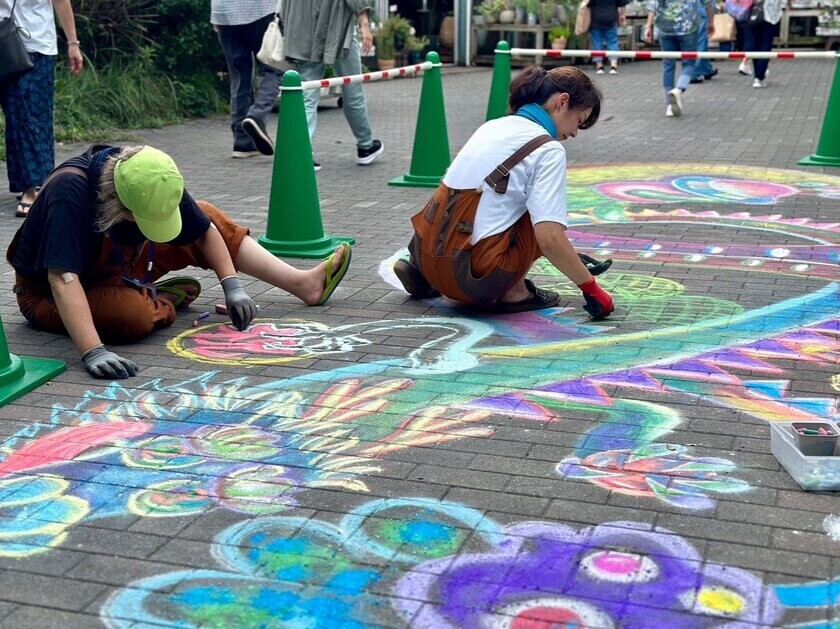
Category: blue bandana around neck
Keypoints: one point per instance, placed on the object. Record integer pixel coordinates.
(534, 112)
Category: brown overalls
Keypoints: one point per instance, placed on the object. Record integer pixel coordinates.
(123, 313)
(479, 273)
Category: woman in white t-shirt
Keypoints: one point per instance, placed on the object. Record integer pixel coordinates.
(502, 203)
(27, 100)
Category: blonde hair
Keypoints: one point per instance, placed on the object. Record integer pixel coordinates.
(111, 210)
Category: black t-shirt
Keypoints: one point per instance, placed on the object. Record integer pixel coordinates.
(60, 231)
(605, 12)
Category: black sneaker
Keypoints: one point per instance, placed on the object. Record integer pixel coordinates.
(256, 131)
(316, 166)
(413, 281)
(370, 155)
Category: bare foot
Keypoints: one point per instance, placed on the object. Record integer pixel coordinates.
(317, 276)
(517, 293)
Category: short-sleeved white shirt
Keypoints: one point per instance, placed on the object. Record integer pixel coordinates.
(537, 184)
(238, 12)
(37, 17)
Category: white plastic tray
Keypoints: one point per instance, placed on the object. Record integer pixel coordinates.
(813, 473)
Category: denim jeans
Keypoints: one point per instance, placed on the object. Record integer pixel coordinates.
(598, 37)
(703, 66)
(760, 38)
(241, 43)
(355, 107)
(671, 43)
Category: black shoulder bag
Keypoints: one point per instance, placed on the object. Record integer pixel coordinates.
(14, 60)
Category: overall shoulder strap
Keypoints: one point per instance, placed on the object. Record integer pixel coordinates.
(498, 179)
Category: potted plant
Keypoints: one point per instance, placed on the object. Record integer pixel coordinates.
(416, 46)
(391, 37)
(490, 10)
(532, 11)
(559, 36)
(548, 13)
(519, 10)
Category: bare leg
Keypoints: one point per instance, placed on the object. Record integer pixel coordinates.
(305, 284)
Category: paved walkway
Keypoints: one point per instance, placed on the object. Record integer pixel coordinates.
(383, 462)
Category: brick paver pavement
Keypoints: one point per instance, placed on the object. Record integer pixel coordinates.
(385, 462)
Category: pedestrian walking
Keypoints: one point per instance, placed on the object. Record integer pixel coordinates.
(241, 26)
(677, 23)
(322, 32)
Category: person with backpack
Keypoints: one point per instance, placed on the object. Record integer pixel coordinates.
(502, 204)
(677, 23)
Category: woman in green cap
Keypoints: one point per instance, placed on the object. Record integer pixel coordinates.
(107, 225)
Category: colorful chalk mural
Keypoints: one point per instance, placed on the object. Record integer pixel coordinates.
(423, 563)
(254, 445)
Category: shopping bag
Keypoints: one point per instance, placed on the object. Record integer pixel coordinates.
(583, 18)
(725, 28)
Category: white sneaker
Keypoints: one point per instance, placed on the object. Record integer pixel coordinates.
(613, 70)
(599, 71)
(758, 83)
(244, 154)
(675, 100)
(746, 67)
(669, 113)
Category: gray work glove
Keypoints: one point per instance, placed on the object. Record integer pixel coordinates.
(240, 307)
(101, 363)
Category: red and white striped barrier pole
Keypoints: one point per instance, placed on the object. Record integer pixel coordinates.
(368, 77)
(659, 54)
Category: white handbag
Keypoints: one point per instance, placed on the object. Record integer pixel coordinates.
(271, 51)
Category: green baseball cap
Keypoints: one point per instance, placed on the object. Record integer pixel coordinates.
(150, 185)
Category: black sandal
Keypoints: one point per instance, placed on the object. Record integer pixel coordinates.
(413, 281)
(538, 299)
(22, 209)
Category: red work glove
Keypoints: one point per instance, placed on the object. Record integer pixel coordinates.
(598, 301)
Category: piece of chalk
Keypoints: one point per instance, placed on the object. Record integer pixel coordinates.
(222, 309)
(203, 315)
(808, 431)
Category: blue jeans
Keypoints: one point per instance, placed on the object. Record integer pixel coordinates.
(703, 66)
(671, 43)
(355, 107)
(241, 43)
(598, 36)
(760, 38)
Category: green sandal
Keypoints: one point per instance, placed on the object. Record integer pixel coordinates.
(170, 287)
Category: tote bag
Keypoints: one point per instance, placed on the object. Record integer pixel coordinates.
(272, 49)
(583, 18)
(14, 60)
(725, 28)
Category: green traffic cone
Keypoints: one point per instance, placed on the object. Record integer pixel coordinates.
(500, 86)
(828, 148)
(430, 157)
(21, 375)
(294, 211)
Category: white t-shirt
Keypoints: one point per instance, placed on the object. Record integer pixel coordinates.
(537, 184)
(37, 17)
